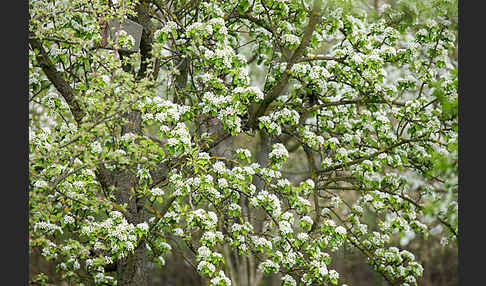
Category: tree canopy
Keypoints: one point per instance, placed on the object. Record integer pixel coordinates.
(251, 137)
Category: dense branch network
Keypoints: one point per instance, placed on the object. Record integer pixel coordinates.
(191, 144)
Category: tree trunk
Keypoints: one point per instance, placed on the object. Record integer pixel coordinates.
(133, 269)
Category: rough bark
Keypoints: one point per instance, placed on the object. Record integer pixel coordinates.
(258, 215)
(132, 270)
(264, 148)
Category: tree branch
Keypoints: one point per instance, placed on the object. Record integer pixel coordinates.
(56, 79)
(279, 87)
(358, 160)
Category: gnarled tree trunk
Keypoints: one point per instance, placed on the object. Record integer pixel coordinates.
(133, 269)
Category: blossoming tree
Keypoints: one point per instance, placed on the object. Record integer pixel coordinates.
(134, 155)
